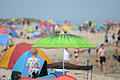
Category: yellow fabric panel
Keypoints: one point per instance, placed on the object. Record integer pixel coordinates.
(44, 56)
(67, 28)
(6, 57)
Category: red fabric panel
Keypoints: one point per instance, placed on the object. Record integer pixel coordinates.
(18, 51)
(62, 77)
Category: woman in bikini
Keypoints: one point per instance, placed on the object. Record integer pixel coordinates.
(76, 55)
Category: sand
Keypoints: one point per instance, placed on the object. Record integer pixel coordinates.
(56, 55)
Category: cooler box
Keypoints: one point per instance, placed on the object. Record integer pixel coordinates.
(59, 72)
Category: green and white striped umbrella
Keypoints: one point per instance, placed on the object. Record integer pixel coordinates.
(63, 41)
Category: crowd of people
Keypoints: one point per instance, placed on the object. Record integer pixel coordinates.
(33, 63)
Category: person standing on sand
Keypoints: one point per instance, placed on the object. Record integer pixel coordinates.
(102, 57)
(113, 38)
(106, 37)
(10, 40)
(76, 55)
(117, 53)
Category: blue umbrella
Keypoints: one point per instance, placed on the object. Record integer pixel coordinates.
(19, 26)
(35, 24)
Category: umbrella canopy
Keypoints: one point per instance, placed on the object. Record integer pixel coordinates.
(63, 41)
(30, 29)
(3, 31)
(86, 22)
(35, 24)
(19, 26)
(43, 24)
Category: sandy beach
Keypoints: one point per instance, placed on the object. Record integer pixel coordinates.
(56, 55)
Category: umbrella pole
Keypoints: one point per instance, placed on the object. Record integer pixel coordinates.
(63, 63)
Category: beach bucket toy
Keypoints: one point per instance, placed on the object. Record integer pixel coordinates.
(59, 72)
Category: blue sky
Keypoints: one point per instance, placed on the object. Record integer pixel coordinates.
(74, 10)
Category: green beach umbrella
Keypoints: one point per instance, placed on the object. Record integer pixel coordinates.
(30, 29)
(63, 40)
(86, 22)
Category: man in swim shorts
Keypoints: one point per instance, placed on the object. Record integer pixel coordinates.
(102, 57)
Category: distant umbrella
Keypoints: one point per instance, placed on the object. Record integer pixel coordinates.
(19, 26)
(3, 31)
(35, 24)
(43, 24)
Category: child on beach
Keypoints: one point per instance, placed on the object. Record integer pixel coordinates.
(89, 52)
(87, 63)
(22, 36)
(10, 40)
(96, 63)
(106, 38)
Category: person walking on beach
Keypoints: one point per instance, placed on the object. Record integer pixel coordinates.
(117, 54)
(106, 38)
(33, 63)
(76, 55)
(113, 38)
(109, 39)
(102, 57)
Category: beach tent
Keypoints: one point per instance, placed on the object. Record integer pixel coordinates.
(36, 34)
(30, 29)
(20, 66)
(4, 40)
(93, 25)
(57, 22)
(50, 21)
(3, 31)
(82, 25)
(98, 28)
(43, 24)
(19, 26)
(35, 24)
(10, 57)
(14, 33)
(103, 27)
(9, 23)
(67, 28)
(76, 27)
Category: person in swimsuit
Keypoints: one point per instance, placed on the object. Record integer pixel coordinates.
(102, 57)
(117, 53)
(76, 56)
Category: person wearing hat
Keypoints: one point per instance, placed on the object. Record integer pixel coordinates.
(33, 63)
